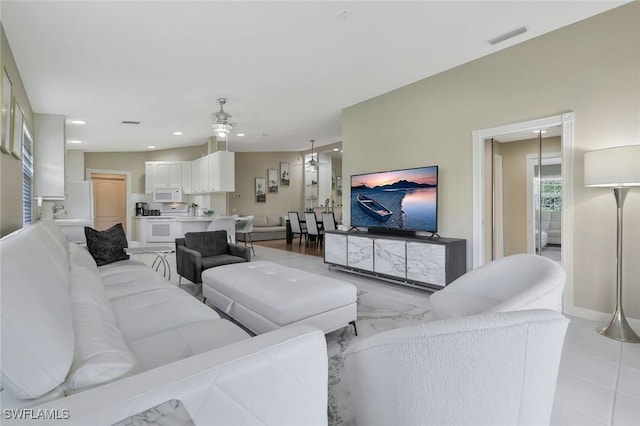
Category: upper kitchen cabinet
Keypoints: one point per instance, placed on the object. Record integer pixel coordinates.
(162, 173)
(199, 175)
(185, 170)
(211, 173)
(221, 171)
(49, 156)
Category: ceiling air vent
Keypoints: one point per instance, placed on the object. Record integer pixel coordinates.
(507, 36)
(130, 122)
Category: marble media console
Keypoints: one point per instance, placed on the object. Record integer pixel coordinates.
(417, 261)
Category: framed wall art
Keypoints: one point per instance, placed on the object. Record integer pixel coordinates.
(17, 130)
(284, 174)
(6, 112)
(272, 179)
(261, 195)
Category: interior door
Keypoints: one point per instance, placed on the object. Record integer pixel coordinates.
(110, 197)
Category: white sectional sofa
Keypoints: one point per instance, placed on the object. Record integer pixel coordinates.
(104, 343)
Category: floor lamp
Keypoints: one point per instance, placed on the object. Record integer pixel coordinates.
(617, 168)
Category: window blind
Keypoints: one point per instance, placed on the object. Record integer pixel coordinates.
(27, 178)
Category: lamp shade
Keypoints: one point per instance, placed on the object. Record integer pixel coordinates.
(613, 167)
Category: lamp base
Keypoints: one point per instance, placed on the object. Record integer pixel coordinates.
(619, 329)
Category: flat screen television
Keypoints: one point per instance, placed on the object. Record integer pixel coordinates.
(397, 200)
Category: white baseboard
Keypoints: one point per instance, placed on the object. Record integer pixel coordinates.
(602, 317)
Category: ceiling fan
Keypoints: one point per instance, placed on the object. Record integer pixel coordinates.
(222, 124)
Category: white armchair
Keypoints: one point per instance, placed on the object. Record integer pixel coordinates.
(517, 282)
(491, 369)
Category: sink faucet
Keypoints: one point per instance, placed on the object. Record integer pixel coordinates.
(58, 209)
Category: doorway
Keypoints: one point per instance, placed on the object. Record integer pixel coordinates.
(482, 247)
(110, 199)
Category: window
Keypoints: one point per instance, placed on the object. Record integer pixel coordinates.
(551, 199)
(27, 176)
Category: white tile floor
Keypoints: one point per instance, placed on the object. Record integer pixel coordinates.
(599, 379)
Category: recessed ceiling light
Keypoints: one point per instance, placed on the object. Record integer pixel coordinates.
(177, 133)
(78, 122)
(151, 146)
(74, 141)
(336, 149)
(240, 134)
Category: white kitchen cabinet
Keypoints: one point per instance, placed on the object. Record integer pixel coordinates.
(221, 171)
(49, 156)
(212, 173)
(200, 175)
(196, 185)
(185, 180)
(204, 174)
(162, 173)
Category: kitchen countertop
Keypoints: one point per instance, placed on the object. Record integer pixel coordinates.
(180, 218)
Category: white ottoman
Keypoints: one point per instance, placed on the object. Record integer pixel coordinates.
(264, 296)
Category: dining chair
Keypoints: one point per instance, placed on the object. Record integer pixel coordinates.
(296, 227)
(245, 227)
(227, 223)
(313, 230)
(328, 221)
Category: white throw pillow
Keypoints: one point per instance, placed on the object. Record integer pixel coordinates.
(101, 354)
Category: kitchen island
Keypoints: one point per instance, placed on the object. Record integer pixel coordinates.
(163, 230)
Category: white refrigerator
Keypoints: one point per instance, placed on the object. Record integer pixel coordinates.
(79, 207)
(79, 201)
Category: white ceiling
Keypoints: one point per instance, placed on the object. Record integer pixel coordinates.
(287, 68)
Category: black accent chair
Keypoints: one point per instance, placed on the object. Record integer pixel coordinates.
(199, 251)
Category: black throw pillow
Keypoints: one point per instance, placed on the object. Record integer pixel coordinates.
(107, 246)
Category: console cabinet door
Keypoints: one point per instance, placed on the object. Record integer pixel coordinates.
(390, 257)
(426, 263)
(360, 252)
(335, 249)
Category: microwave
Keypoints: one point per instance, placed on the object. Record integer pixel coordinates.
(167, 194)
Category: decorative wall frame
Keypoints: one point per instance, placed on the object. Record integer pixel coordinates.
(17, 130)
(284, 174)
(272, 180)
(261, 195)
(6, 112)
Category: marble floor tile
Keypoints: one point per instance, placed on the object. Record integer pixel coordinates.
(599, 380)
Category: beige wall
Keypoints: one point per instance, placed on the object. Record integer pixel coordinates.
(591, 68)
(11, 168)
(134, 161)
(121, 161)
(250, 165)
